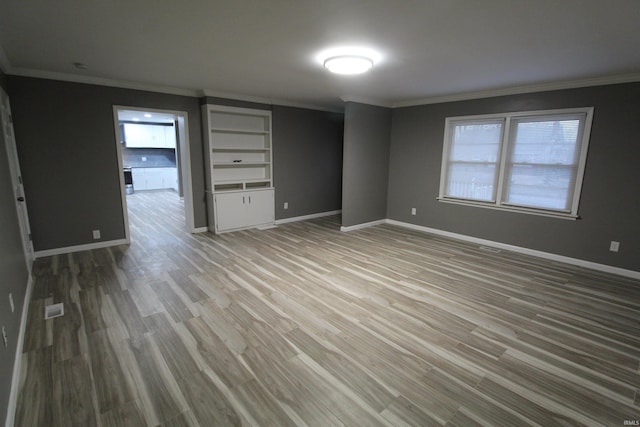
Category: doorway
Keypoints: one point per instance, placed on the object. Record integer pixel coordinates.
(156, 126)
(16, 178)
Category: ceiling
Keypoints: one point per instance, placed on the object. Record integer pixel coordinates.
(267, 50)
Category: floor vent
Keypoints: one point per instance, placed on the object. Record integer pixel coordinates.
(490, 249)
(54, 310)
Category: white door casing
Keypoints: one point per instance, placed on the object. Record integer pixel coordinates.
(16, 178)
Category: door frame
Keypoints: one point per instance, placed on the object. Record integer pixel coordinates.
(17, 184)
(184, 166)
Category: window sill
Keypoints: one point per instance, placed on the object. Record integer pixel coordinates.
(515, 209)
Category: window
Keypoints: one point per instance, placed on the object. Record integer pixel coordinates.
(529, 162)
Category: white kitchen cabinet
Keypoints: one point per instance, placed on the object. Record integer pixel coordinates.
(169, 137)
(139, 179)
(243, 209)
(170, 178)
(154, 178)
(149, 136)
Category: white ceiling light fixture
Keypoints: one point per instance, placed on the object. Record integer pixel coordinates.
(348, 64)
(348, 60)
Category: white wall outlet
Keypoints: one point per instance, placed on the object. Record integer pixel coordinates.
(286, 205)
(96, 234)
(13, 307)
(614, 246)
(4, 337)
(414, 211)
(144, 159)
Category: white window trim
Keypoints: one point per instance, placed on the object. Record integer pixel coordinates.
(498, 204)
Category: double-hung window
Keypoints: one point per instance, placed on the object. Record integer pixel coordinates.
(529, 162)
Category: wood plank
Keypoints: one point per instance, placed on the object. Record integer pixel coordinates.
(305, 325)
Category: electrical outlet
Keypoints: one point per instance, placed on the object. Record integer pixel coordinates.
(144, 159)
(414, 211)
(4, 337)
(13, 307)
(614, 246)
(286, 205)
(96, 234)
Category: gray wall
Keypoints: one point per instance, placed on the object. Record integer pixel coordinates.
(67, 150)
(13, 276)
(307, 160)
(610, 199)
(3, 81)
(365, 164)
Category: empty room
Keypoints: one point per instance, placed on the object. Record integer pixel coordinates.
(333, 213)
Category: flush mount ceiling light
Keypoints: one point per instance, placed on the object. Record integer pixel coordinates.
(348, 60)
(348, 64)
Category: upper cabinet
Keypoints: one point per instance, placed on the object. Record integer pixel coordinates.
(138, 135)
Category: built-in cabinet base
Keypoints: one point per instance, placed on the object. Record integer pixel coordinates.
(243, 209)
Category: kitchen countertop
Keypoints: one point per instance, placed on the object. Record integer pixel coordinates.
(149, 166)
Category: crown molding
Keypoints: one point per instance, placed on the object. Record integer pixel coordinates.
(268, 101)
(368, 101)
(100, 81)
(515, 90)
(235, 96)
(284, 103)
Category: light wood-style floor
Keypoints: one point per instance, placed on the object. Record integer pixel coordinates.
(305, 325)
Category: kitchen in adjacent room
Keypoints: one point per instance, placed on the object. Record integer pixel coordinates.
(149, 144)
(148, 151)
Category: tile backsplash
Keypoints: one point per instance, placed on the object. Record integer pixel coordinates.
(155, 157)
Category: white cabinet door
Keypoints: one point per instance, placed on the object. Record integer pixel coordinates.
(169, 136)
(231, 210)
(243, 209)
(170, 178)
(261, 207)
(139, 179)
(154, 178)
(145, 136)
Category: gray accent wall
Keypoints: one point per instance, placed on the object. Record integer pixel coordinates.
(366, 163)
(610, 203)
(66, 144)
(3, 81)
(14, 276)
(307, 160)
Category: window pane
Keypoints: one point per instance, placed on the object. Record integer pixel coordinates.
(548, 142)
(546, 187)
(476, 142)
(471, 181)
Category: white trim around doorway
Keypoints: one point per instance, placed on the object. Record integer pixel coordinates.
(184, 156)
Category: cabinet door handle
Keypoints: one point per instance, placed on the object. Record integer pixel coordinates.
(243, 200)
(249, 199)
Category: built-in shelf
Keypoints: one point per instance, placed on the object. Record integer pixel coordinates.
(239, 174)
(239, 164)
(245, 131)
(239, 149)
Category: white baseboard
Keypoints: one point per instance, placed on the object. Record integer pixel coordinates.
(519, 249)
(200, 230)
(364, 225)
(306, 217)
(17, 363)
(78, 248)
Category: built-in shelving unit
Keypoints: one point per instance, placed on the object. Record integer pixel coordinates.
(239, 159)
